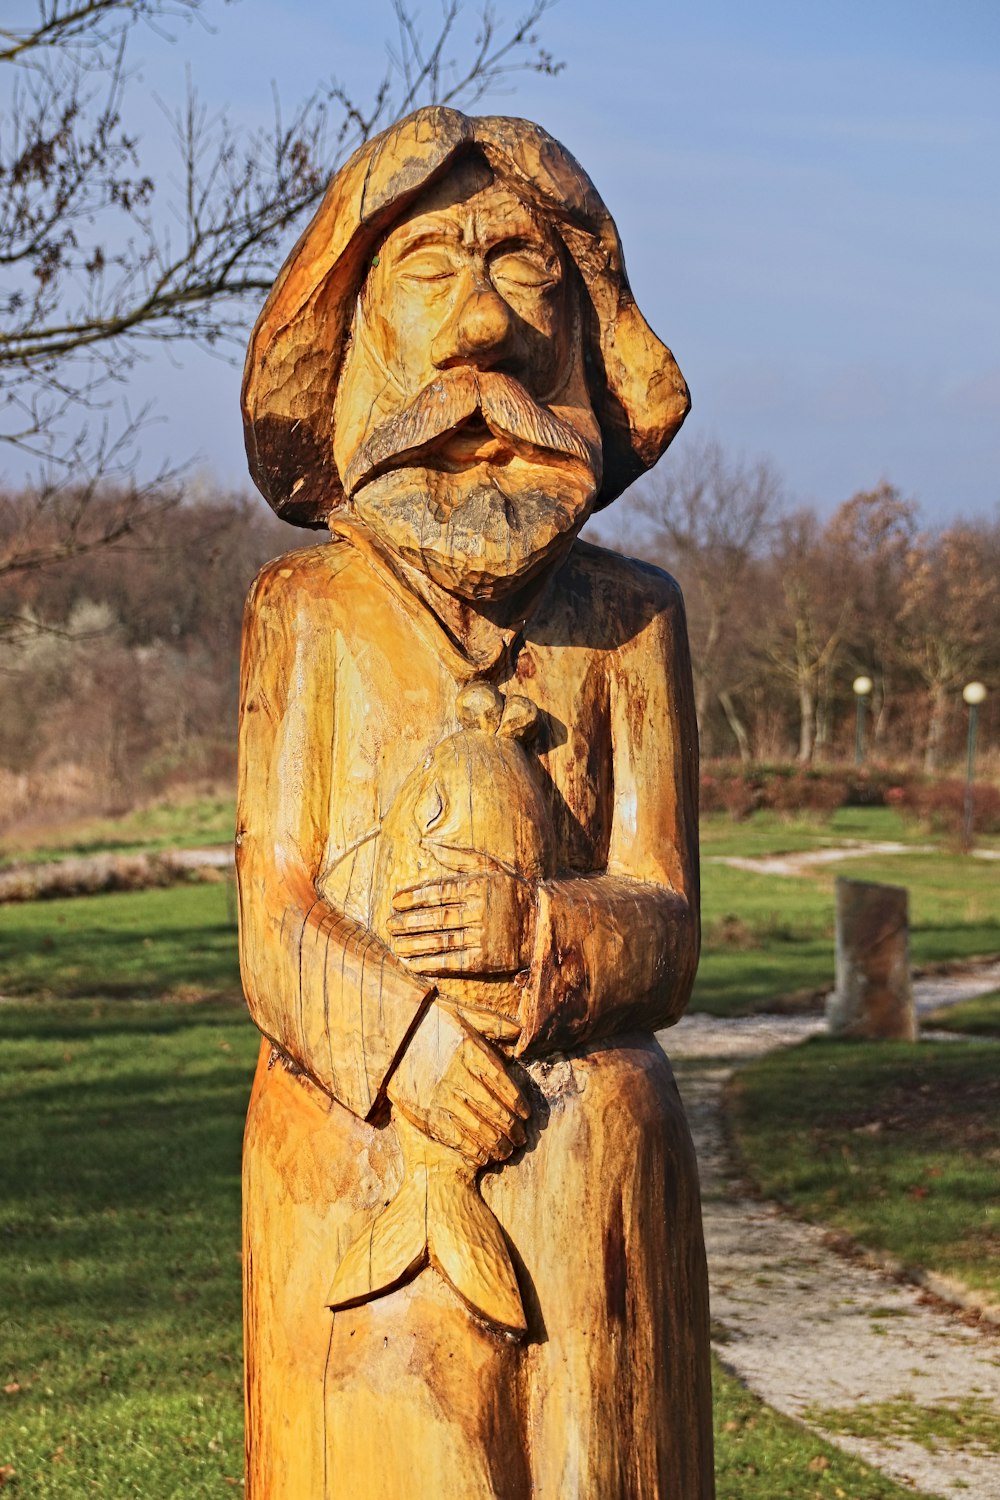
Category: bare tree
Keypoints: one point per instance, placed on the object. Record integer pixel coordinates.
(707, 518)
(873, 532)
(810, 602)
(100, 260)
(947, 614)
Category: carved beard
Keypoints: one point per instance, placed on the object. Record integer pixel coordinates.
(475, 483)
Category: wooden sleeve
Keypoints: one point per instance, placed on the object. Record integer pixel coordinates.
(319, 985)
(618, 950)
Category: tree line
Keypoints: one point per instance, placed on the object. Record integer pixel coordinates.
(118, 674)
(786, 609)
(120, 595)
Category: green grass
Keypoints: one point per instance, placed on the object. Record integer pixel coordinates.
(119, 1248)
(968, 1424)
(120, 1368)
(760, 1455)
(977, 1017)
(771, 936)
(786, 833)
(179, 941)
(766, 936)
(954, 901)
(119, 1217)
(167, 825)
(898, 1144)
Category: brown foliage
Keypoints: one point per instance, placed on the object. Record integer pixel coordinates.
(119, 672)
(786, 609)
(100, 257)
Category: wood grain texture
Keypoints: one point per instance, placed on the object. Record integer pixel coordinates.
(297, 346)
(874, 991)
(467, 859)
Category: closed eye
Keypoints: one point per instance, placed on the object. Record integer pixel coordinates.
(525, 267)
(426, 265)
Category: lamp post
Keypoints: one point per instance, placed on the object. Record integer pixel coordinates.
(862, 687)
(973, 693)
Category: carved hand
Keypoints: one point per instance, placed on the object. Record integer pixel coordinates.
(452, 1085)
(468, 924)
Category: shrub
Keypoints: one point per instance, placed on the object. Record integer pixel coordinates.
(808, 791)
(742, 790)
(941, 806)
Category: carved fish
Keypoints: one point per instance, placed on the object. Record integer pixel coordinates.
(436, 827)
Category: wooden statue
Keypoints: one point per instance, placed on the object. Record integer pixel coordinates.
(467, 853)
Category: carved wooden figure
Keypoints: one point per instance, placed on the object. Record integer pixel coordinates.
(467, 854)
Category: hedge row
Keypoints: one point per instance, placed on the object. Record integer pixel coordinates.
(741, 790)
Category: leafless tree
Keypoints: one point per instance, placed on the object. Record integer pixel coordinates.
(948, 608)
(707, 518)
(873, 533)
(100, 260)
(811, 595)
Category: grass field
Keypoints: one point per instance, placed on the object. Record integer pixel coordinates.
(896, 1143)
(167, 825)
(180, 941)
(119, 1229)
(121, 1113)
(977, 1017)
(119, 1268)
(769, 936)
(766, 936)
(783, 833)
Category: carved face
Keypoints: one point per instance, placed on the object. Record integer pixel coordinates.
(464, 434)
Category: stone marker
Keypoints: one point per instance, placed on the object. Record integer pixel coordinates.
(874, 993)
(467, 856)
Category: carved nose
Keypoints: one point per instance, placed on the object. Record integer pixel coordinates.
(477, 332)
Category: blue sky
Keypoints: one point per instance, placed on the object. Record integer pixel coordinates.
(807, 194)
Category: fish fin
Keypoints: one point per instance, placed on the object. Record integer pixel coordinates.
(466, 1244)
(388, 1252)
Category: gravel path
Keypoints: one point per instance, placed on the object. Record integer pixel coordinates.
(801, 1325)
(801, 863)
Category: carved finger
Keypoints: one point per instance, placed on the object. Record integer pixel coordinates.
(489, 1107)
(486, 1067)
(466, 1135)
(487, 1023)
(505, 1137)
(439, 892)
(442, 940)
(434, 918)
(489, 1133)
(457, 961)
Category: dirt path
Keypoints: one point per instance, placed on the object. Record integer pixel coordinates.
(802, 862)
(806, 1328)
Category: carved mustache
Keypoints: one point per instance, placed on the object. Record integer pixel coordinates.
(454, 398)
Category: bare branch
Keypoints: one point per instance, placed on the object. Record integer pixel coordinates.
(104, 261)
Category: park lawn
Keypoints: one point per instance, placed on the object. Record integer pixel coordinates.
(119, 1247)
(192, 824)
(761, 1455)
(120, 1370)
(979, 1016)
(768, 832)
(764, 936)
(768, 937)
(897, 1144)
(954, 901)
(180, 941)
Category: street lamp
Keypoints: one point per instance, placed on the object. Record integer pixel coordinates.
(862, 687)
(973, 693)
